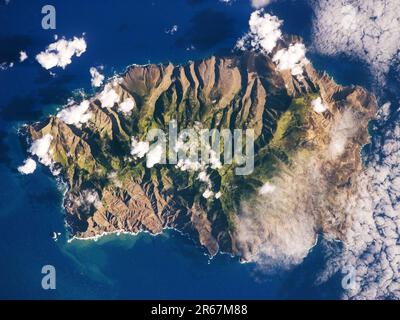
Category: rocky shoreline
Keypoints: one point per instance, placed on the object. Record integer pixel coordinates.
(108, 190)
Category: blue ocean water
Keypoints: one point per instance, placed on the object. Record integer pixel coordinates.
(167, 266)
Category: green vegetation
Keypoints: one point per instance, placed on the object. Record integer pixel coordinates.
(97, 154)
(292, 126)
(285, 142)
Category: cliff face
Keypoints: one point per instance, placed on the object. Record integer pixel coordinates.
(109, 191)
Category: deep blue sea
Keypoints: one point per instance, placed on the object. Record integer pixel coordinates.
(120, 33)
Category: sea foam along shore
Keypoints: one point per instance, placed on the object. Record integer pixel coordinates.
(133, 234)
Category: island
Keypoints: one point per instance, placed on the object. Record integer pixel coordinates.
(308, 137)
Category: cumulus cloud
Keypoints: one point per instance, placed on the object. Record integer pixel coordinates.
(76, 114)
(139, 148)
(60, 53)
(87, 200)
(318, 105)
(277, 228)
(204, 177)
(172, 30)
(96, 77)
(127, 106)
(189, 165)
(293, 59)
(279, 224)
(208, 193)
(188, 144)
(41, 149)
(214, 159)
(5, 65)
(260, 3)
(372, 248)
(28, 167)
(369, 30)
(108, 97)
(264, 32)
(91, 197)
(154, 155)
(266, 188)
(22, 56)
(187, 147)
(343, 129)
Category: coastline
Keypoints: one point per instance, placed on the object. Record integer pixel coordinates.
(146, 232)
(96, 237)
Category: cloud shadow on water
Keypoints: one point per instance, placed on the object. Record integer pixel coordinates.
(207, 28)
(54, 94)
(4, 157)
(345, 70)
(195, 2)
(297, 17)
(45, 77)
(10, 47)
(56, 90)
(20, 108)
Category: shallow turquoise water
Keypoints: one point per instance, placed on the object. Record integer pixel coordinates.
(143, 266)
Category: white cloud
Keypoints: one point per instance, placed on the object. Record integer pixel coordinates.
(260, 3)
(59, 53)
(139, 148)
(22, 56)
(264, 32)
(108, 97)
(369, 30)
(86, 200)
(127, 105)
(96, 77)
(28, 167)
(154, 155)
(172, 30)
(204, 177)
(76, 114)
(343, 129)
(266, 188)
(208, 193)
(189, 165)
(318, 105)
(293, 59)
(92, 197)
(337, 145)
(214, 159)
(266, 29)
(277, 228)
(5, 65)
(372, 243)
(41, 149)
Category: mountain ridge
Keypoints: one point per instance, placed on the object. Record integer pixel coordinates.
(109, 192)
